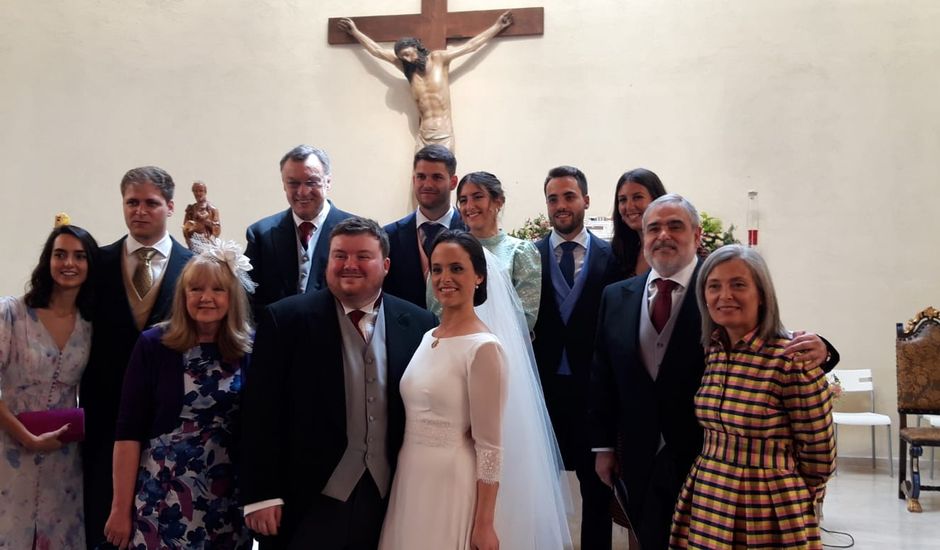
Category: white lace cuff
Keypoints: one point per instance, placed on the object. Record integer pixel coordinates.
(489, 465)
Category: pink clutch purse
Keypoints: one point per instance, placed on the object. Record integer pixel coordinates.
(40, 422)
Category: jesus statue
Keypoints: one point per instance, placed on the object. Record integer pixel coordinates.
(429, 76)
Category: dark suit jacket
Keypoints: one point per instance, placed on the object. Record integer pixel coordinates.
(625, 397)
(405, 278)
(112, 341)
(568, 406)
(294, 404)
(272, 249)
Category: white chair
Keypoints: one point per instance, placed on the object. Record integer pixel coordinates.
(934, 421)
(859, 380)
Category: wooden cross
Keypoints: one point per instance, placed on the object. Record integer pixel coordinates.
(435, 25)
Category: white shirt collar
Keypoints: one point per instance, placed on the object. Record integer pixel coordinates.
(581, 238)
(683, 276)
(367, 309)
(318, 221)
(163, 246)
(444, 220)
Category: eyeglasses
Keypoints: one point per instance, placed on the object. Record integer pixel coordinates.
(310, 184)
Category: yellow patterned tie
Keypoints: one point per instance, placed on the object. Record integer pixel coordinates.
(143, 275)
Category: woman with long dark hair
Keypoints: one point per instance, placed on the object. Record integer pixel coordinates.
(480, 197)
(635, 190)
(45, 337)
(480, 468)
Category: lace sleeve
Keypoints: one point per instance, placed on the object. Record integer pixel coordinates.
(486, 384)
(433, 305)
(527, 279)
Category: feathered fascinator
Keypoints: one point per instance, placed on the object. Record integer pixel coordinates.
(228, 252)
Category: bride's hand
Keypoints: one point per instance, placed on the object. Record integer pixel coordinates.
(484, 538)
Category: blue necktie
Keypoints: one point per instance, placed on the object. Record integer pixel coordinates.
(430, 233)
(567, 261)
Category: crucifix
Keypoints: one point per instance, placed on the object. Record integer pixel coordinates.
(428, 72)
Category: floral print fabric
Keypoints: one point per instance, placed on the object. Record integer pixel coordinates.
(41, 492)
(186, 486)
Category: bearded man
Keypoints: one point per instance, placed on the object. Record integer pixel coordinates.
(429, 76)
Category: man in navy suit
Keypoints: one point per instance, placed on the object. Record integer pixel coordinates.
(323, 415)
(434, 177)
(576, 266)
(288, 250)
(648, 366)
(134, 291)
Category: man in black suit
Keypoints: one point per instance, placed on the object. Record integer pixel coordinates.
(288, 249)
(138, 274)
(434, 176)
(324, 418)
(576, 266)
(648, 366)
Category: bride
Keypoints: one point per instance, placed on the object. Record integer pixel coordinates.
(479, 467)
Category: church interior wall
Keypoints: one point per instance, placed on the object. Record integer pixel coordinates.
(827, 108)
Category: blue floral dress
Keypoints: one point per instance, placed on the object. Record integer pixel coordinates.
(40, 493)
(186, 485)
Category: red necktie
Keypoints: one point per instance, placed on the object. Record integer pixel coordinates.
(355, 316)
(305, 229)
(662, 305)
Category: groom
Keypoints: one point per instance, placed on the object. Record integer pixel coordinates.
(323, 416)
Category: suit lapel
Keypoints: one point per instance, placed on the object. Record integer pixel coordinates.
(174, 265)
(688, 324)
(323, 329)
(284, 244)
(322, 250)
(112, 282)
(396, 325)
(408, 245)
(633, 295)
(456, 222)
(548, 288)
(597, 261)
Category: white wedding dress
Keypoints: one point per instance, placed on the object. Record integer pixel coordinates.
(474, 410)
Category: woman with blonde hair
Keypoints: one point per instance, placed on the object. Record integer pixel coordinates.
(179, 416)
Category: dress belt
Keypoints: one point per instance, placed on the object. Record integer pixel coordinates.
(435, 433)
(751, 452)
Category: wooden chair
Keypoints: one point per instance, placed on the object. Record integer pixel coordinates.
(918, 364)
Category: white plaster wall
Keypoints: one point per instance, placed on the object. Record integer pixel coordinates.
(827, 107)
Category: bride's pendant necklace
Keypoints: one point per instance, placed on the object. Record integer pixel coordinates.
(435, 343)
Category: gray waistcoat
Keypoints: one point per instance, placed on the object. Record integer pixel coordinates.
(364, 368)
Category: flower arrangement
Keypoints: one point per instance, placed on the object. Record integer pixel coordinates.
(533, 229)
(714, 235)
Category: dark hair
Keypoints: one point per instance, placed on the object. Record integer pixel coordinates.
(567, 172)
(302, 152)
(486, 181)
(40, 285)
(626, 242)
(410, 42)
(153, 175)
(474, 249)
(356, 226)
(437, 153)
